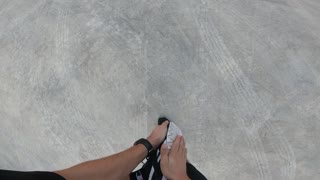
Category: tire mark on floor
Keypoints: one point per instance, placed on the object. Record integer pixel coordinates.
(241, 89)
(230, 73)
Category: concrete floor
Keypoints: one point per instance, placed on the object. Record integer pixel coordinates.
(84, 79)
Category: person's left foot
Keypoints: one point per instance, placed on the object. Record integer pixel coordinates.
(151, 169)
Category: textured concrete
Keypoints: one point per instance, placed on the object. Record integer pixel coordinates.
(85, 79)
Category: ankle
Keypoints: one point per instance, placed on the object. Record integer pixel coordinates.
(184, 177)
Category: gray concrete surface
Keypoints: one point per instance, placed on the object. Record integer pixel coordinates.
(85, 79)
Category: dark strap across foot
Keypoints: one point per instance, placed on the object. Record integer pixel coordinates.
(162, 119)
(153, 163)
